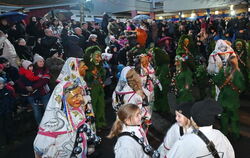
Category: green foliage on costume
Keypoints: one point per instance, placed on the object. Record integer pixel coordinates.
(202, 81)
(190, 61)
(180, 50)
(161, 60)
(95, 82)
(160, 57)
(211, 46)
(248, 60)
(135, 51)
(228, 97)
(88, 55)
(242, 59)
(244, 49)
(161, 97)
(184, 81)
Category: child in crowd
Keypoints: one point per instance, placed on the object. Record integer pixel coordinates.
(27, 76)
(177, 130)
(3, 73)
(26, 73)
(132, 141)
(9, 84)
(6, 108)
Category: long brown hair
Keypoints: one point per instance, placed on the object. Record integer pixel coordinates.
(126, 111)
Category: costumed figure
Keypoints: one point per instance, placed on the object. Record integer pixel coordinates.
(186, 50)
(95, 78)
(75, 69)
(161, 60)
(63, 131)
(231, 83)
(147, 75)
(129, 90)
(182, 81)
(202, 80)
(240, 49)
(133, 53)
(218, 59)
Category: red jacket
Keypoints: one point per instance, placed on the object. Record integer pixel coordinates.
(42, 84)
(28, 74)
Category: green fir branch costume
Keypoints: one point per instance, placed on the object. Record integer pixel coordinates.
(95, 82)
(133, 53)
(229, 99)
(161, 60)
(242, 54)
(189, 53)
(202, 81)
(183, 79)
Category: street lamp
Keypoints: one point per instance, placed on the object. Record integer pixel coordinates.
(231, 7)
(216, 12)
(232, 12)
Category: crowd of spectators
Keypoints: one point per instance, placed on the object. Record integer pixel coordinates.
(32, 55)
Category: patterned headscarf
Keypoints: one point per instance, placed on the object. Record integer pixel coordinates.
(70, 71)
(60, 123)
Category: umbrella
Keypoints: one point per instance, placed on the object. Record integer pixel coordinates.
(141, 17)
(61, 14)
(13, 16)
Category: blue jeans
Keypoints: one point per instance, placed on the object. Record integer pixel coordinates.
(38, 109)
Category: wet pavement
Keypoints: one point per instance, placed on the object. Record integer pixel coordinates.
(23, 147)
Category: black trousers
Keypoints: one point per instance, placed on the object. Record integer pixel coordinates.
(6, 128)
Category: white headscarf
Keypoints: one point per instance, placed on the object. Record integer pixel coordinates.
(59, 125)
(56, 117)
(219, 56)
(70, 71)
(124, 73)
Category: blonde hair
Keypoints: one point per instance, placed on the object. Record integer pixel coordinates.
(125, 112)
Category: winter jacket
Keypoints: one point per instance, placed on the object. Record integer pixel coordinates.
(12, 73)
(47, 44)
(9, 51)
(74, 46)
(24, 52)
(6, 101)
(41, 85)
(28, 74)
(141, 36)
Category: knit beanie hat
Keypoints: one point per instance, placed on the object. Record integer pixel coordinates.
(37, 58)
(204, 112)
(185, 109)
(26, 64)
(2, 80)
